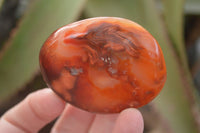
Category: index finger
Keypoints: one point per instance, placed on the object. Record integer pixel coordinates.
(38, 109)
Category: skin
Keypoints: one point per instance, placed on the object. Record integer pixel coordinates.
(41, 107)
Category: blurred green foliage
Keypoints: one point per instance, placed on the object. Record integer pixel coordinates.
(1, 2)
(163, 19)
(192, 7)
(19, 60)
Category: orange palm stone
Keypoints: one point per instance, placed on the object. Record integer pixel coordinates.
(103, 64)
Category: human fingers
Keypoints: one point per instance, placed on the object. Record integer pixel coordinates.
(103, 123)
(38, 109)
(129, 121)
(73, 120)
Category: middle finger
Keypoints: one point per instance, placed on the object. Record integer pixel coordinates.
(73, 120)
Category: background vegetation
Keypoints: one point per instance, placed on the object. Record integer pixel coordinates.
(25, 24)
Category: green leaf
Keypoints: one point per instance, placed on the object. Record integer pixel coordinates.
(20, 60)
(173, 14)
(174, 19)
(1, 3)
(172, 103)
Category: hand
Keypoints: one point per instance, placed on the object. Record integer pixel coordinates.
(43, 106)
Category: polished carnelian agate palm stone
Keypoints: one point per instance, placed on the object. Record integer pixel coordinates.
(103, 64)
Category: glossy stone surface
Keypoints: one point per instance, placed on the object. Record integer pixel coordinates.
(103, 64)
